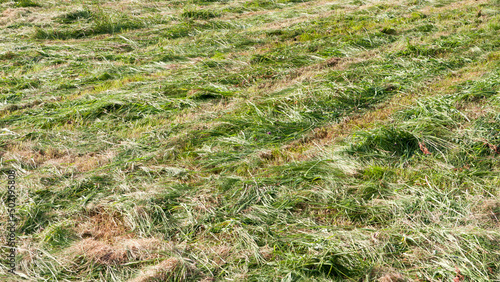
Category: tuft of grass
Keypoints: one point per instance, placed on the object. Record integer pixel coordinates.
(74, 16)
(26, 3)
(101, 22)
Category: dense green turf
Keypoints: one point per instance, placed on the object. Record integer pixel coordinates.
(253, 140)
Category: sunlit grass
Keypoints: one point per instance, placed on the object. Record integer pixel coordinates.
(253, 140)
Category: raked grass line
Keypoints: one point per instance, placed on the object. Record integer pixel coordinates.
(252, 140)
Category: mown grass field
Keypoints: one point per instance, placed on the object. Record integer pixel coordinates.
(252, 140)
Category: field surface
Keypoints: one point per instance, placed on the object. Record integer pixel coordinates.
(251, 140)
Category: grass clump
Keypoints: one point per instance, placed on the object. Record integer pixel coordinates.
(101, 22)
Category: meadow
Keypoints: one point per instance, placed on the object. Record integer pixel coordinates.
(252, 140)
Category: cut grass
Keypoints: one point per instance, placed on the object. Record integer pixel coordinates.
(254, 140)
(101, 22)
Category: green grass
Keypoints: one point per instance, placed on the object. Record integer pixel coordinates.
(253, 140)
(26, 3)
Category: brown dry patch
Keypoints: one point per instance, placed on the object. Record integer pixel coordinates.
(122, 251)
(164, 271)
(40, 19)
(29, 152)
(488, 212)
(221, 254)
(332, 62)
(99, 252)
(22, 14)
(392, 277)
(10, 15)
(103, 224)
(92, 161)
(266, 155)
(83, 163)
(145, 248)
(266, 252)
(196, 60)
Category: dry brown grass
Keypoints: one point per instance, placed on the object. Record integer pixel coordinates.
(10, 15)
(99, 252)
(29, 152)
(102, 224)
(123, 250)
(392, 277)
(37, 15)
(161, 271)
(488, 213)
